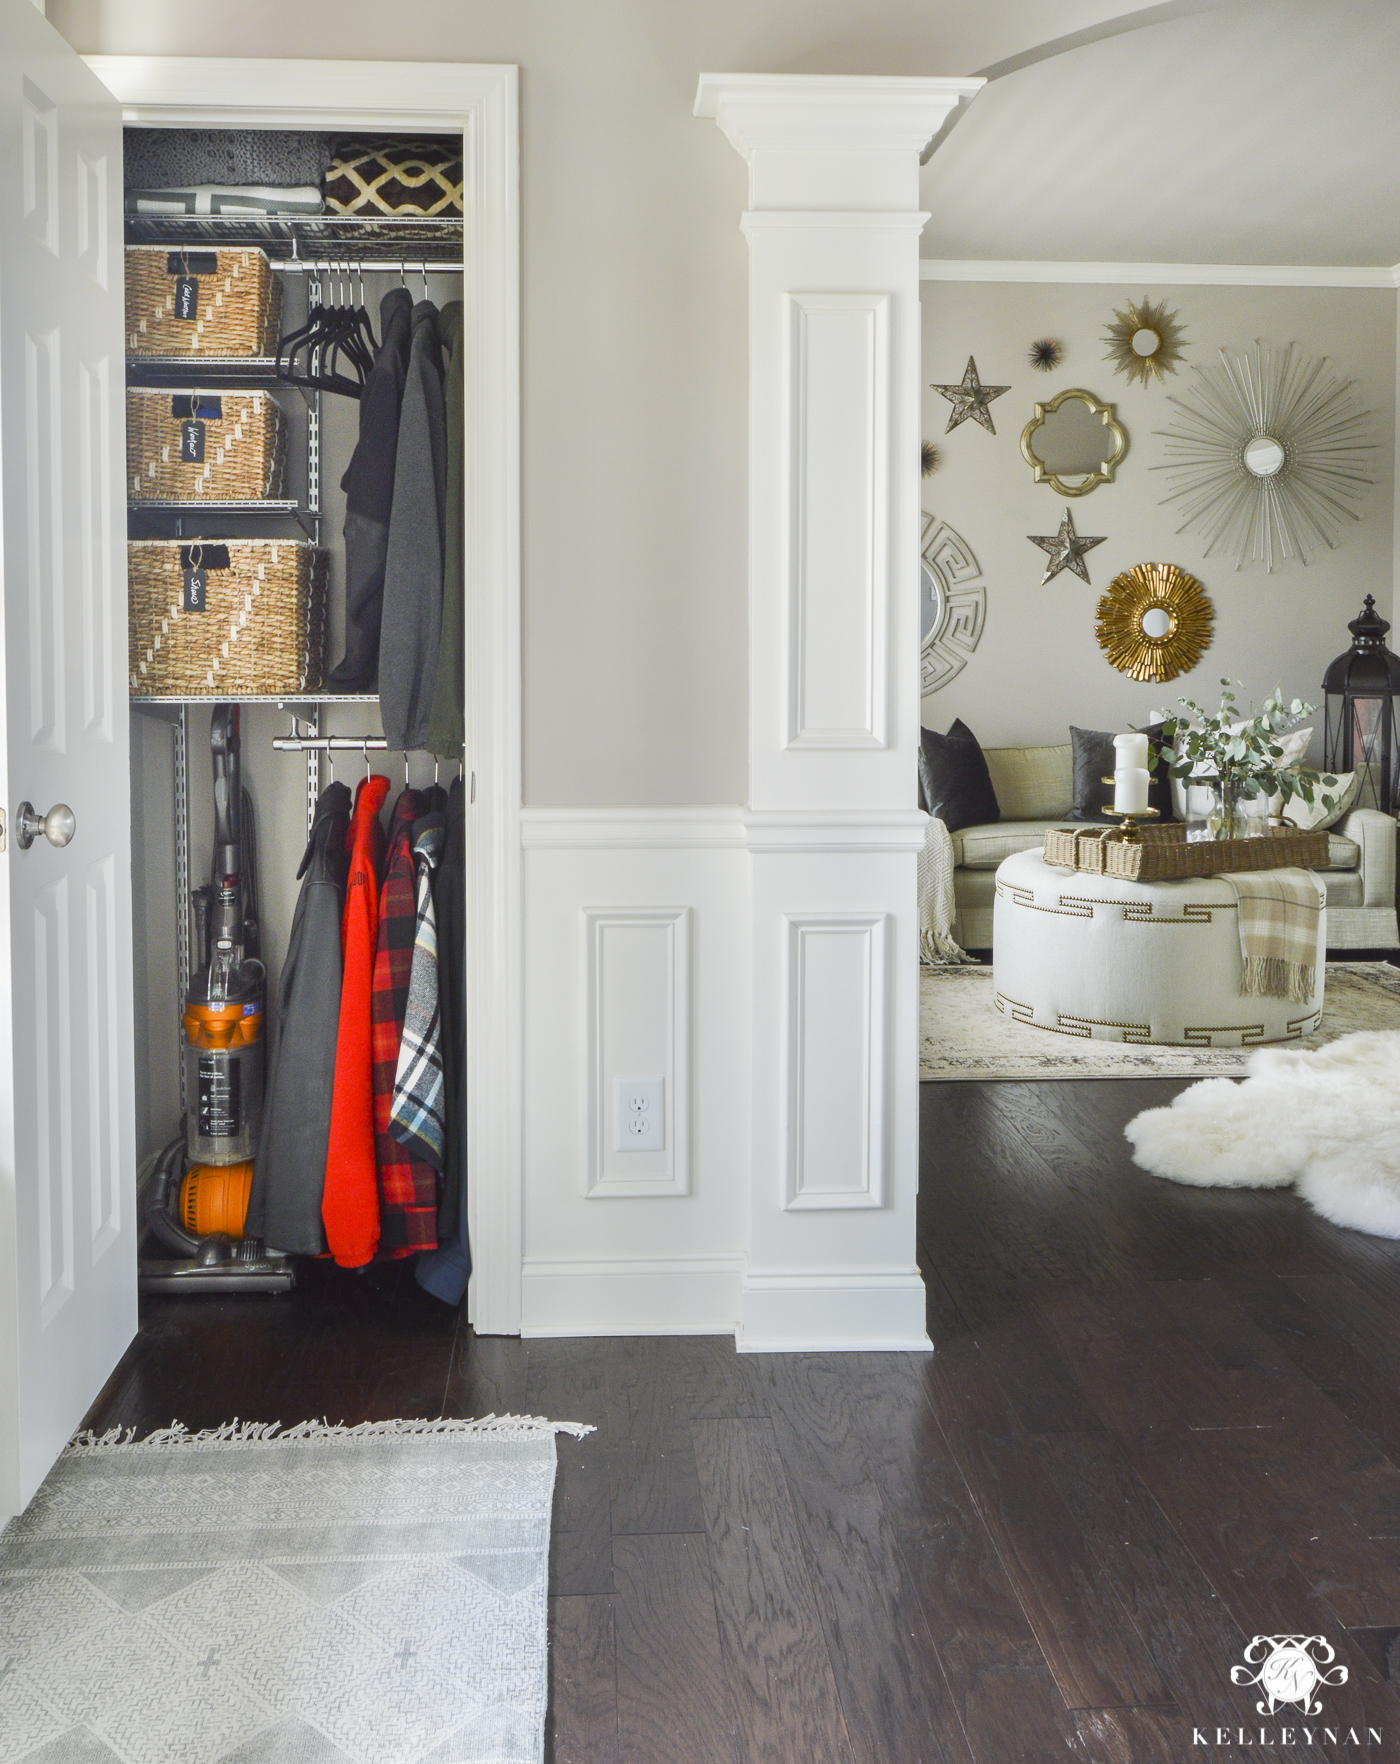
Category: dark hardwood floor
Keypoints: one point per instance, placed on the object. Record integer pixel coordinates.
(1159, 1421)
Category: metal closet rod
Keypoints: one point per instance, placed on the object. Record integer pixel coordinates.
(305, 266)
(331, 744)
(339, 744)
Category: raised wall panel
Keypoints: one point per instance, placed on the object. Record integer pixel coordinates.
(837, 1049)
(97, 468)
(53, 1097)
(637, 1023)
(104, 1031)
(44, 535)
(839, 514)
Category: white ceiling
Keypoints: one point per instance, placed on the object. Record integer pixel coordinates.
(1267, 133)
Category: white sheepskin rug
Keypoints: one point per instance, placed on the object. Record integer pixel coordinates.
(1327, 1120)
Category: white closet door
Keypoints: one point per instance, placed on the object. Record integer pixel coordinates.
(67, 1148)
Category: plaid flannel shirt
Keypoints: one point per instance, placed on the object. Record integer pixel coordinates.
(417, 1118)
(408, 1186)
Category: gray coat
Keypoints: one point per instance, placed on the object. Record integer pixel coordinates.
(284, 1208)
(410, 628)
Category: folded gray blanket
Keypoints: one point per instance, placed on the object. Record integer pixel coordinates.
(226, 199)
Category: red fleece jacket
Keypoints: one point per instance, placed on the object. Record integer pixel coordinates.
(350, 1203)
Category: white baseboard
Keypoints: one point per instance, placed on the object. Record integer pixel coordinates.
(825, 1311)
(632, 1295)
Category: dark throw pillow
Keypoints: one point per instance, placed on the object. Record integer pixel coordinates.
(1093, 762)
(954, 783)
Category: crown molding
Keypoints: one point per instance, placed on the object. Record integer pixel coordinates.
(821, 110)
(1194, 275)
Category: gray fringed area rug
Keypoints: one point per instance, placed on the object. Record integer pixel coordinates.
(963, 1036)
(299, 1596)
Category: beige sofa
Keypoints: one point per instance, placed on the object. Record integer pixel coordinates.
(1035, 790)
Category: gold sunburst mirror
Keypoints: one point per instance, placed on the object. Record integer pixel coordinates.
(1073, 443)
(1154, 622)
(1144, 342)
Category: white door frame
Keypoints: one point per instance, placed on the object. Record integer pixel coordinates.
(480, 102)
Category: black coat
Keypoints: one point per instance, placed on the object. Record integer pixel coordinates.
(369, 497)
(284, 1208)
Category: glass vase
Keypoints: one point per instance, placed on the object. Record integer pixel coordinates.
(1226, 816)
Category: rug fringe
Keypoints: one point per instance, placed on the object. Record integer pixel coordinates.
(252, 1433)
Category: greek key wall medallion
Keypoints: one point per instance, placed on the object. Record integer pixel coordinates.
(952, 604)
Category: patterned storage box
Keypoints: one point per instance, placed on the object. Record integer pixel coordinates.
(241, 444)
(258, 624)
(400, 177)
(237, 309)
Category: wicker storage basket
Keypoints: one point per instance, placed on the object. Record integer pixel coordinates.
(1169, 860)
(262, 630)
(239, 310)
(245, 447)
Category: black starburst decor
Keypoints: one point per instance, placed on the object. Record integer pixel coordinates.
(1045, 355)
(929, 459)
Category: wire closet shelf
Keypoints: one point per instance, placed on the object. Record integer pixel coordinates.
(315, 242)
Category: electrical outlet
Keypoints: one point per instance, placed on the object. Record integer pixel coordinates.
(639, 1114)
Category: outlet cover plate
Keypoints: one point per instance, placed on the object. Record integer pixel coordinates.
(639, 1114)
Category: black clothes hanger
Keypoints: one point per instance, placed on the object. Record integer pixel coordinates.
(329, 333)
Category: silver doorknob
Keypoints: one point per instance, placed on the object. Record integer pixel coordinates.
(58, 826)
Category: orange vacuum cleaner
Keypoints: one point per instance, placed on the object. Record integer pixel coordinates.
(199, 1192)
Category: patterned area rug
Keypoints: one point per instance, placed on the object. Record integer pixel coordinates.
(304, 1597)
(962, 1034)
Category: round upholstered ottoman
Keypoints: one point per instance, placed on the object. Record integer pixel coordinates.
(1145, 962)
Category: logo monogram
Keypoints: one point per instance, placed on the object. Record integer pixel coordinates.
(1288, 1669)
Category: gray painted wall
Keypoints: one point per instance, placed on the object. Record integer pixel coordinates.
(634, 324)
(1038, 667)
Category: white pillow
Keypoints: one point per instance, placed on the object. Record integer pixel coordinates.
(1294, 744)
(1317, 818)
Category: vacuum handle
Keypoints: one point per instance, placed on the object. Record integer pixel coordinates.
(58, 826)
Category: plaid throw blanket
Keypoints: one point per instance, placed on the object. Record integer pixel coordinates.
(416, 1118)
(1278, 932)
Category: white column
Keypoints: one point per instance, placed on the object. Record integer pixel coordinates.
(833, 831)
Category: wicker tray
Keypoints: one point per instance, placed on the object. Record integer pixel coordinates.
(1081, 848)
(1159, 859)
(245, 447)
(262, 630)
(239, 307)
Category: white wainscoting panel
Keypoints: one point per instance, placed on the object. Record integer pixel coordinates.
(636, 1023)
(839, 520)
(837, 1061)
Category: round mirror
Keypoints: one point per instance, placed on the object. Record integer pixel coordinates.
(1146, 342)
(932, 604)
(1156, 622)
(1263, 456)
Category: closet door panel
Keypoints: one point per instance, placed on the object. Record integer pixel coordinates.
(67, 1146)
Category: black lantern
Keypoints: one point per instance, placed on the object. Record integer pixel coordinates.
(1361, 688)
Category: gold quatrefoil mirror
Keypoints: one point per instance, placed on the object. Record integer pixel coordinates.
(1154, 622)
(1073, 443)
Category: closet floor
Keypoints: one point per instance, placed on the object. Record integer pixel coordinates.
(1160, 1421)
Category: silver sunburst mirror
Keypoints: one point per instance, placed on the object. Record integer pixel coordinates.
(1267, 456)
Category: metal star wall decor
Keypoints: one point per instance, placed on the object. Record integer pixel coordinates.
(1066, 549)
(970, 398)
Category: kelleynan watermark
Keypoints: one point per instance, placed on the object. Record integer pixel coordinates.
(1289, 1669)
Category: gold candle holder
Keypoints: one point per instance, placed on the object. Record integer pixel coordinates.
(1130, 833)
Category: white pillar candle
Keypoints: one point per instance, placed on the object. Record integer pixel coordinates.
(1130, 790)
(1129, 752)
